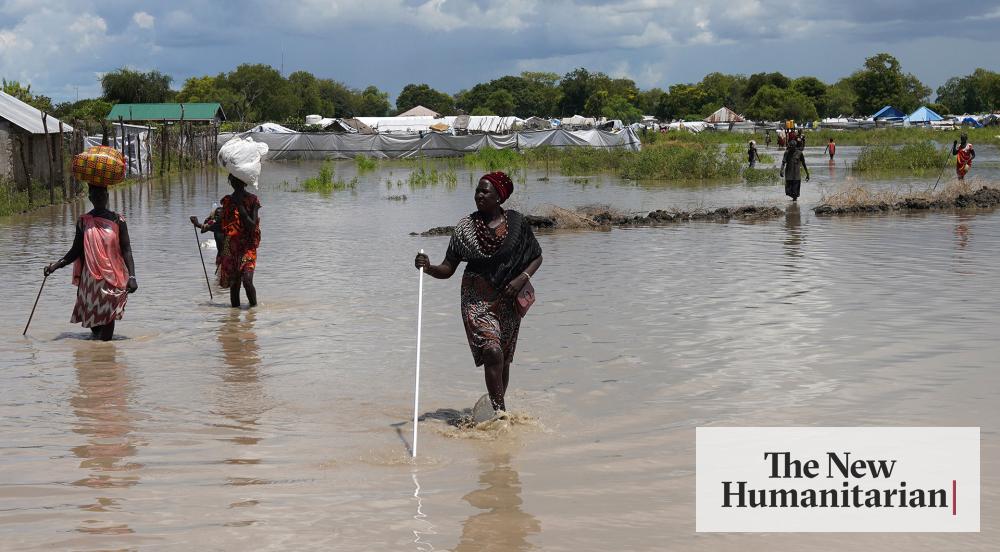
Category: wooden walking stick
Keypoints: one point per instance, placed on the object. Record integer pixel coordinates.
(197, 240)
(25, 332)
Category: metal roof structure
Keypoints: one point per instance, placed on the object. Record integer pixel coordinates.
(27, 117)
(167, 112)
(419, 111)
(724, 115)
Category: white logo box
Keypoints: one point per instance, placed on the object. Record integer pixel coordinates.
(929, 476)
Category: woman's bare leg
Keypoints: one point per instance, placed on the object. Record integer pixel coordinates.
(251, 290)
(234, 293)
(493, 367)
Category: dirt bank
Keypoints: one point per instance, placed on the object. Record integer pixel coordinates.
(562, 219)
(983, 198)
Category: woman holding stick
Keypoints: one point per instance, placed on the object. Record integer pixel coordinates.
(103, 269)
(238, 257)
(502, 255)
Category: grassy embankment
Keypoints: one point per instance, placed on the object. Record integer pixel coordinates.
(13, 201)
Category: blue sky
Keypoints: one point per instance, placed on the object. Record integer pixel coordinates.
(62, 47)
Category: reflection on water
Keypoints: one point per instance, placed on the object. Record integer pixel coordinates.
(793, 230)
(240, 396)
(502, 525)
(100, 404)
(426, 527)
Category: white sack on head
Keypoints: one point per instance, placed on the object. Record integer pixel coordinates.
(241, 157)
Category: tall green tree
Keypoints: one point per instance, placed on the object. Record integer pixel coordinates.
(682, 101)
(501, 102)
(263, 94)
(310, 101)
(758, 80)
(373, 103)
(413, 95)
(128, 86)
(975, 93)
(771, 103)
(724, 90)
(882, 82)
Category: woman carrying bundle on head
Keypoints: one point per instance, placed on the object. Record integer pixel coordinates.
(502, 254)
(239, 219)
(103, 269)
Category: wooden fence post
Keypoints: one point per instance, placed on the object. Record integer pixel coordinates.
(48, 157)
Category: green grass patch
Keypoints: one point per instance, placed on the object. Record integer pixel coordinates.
(916, 158)
(760, 176)
(365, 163)
(325, 181)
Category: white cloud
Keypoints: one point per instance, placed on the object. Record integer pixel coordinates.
(143, 20)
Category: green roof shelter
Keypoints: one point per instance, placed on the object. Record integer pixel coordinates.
(192, 112)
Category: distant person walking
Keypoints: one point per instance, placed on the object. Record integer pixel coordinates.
(767, 139)
(752, 153)
(831, 149)
(502, 255)
(964, 154)
(791, 163)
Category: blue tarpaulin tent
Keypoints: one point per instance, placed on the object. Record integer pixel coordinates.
(888, 112)
(923, 115)
(969, 121)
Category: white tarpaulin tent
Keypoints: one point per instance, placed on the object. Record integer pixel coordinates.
(414, 125)
(431, 144)
(135, 147)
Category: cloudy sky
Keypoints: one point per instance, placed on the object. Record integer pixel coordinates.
(62, 47)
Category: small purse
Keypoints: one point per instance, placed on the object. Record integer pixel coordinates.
(525, 298)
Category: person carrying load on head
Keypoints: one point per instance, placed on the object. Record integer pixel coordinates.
(791, 162)
(239, 218)
(964, 154)
(103, 268)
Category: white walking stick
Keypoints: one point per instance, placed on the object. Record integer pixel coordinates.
(416, 391)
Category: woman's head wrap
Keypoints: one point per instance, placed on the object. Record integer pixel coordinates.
(501, 183)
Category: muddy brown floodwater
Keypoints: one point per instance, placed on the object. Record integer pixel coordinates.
(287, 427)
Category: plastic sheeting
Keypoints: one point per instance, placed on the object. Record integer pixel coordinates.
(387, 146)
(136, 144)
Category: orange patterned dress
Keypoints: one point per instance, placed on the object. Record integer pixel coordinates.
(239, 250)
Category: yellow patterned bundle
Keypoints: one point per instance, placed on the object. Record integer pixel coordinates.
(99, 166)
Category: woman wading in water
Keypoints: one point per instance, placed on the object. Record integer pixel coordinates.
(103, 269)
(238, 257)
(502, 255)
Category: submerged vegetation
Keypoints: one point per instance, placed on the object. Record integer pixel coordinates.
(326, 182)
(365, 163)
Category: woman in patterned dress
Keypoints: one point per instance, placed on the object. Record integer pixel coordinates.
(238, 258)
(103, 269)
(502, 254)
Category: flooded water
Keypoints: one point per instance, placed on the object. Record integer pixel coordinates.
(287, 427)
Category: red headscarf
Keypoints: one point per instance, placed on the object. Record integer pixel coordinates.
(501, 183)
